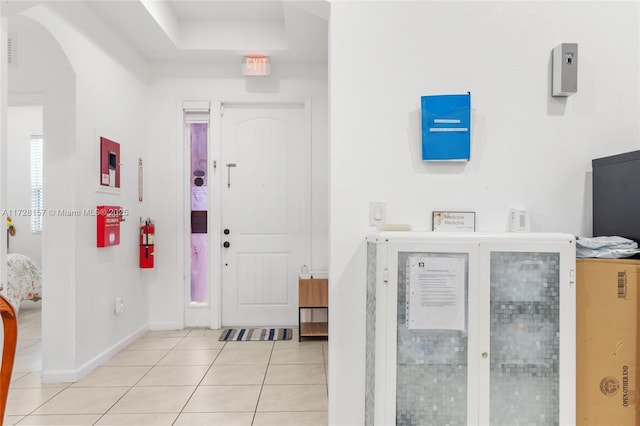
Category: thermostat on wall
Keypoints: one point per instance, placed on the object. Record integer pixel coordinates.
(519, 220)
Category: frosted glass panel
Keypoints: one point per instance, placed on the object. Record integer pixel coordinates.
(370, 353)
(199, 205)
(525, 339)
(431, 376)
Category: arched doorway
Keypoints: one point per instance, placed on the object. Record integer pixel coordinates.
(39, 73)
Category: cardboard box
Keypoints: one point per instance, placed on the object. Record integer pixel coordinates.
(607, 327)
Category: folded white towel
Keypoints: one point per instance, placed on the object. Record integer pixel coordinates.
(609, 242)
(606, 247)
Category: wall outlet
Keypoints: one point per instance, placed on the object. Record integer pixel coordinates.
(119, 305)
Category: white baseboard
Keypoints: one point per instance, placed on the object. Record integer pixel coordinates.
(162, 326)
(68, 376)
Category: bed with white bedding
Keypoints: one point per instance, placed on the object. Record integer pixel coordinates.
(24, 280)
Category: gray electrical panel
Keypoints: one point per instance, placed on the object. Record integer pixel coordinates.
(565, 69)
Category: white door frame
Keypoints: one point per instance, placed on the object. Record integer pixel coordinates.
(215, 198)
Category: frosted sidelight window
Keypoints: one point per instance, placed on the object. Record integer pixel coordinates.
(198, 136)
(525, 338)
(431, 375)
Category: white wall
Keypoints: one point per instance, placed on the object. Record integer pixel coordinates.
(23, 122)
(529, 150)
(170, 86)
(43, 75)
(80, 328)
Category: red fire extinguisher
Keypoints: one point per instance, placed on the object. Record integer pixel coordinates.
(146, 243)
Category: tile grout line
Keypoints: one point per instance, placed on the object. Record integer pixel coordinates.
(200, 382)
(264, 379)
(138, 381)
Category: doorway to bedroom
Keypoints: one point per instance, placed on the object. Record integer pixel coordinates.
(23, 208)
(23, 215)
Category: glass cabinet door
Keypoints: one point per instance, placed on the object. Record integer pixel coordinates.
(431, 357)
(524, 338)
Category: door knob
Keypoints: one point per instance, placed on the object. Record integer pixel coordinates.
(226, 244)
(226, 231)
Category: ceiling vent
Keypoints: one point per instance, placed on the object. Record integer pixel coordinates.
(12, 58)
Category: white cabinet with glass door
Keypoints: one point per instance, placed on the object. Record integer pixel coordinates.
(470, 329)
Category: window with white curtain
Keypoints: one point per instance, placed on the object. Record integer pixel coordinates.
(36, 184)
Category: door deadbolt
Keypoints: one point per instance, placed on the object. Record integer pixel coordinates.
(226, 231)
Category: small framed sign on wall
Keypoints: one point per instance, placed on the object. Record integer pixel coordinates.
(453, 221)
(109, 163)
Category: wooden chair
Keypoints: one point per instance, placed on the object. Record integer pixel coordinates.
(10, 325)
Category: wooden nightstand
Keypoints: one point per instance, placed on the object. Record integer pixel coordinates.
(313, 293)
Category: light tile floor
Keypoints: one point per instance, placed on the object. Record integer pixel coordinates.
(184, 377)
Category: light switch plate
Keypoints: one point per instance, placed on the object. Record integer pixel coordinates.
(119, 305)
(377, 212)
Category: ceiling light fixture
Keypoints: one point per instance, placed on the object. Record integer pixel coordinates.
(256, 66)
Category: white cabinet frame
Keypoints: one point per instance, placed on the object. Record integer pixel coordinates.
(478, 247)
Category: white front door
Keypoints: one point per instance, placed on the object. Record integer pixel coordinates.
(265, 219)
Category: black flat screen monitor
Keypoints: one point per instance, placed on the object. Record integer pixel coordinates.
(616, 196)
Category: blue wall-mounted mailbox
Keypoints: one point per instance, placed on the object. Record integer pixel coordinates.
(446, 127)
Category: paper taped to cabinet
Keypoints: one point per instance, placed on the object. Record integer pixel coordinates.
(436, 293)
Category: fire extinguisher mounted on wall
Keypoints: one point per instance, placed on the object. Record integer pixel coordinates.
(147, 231)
